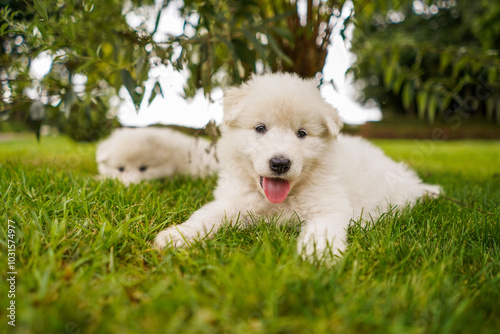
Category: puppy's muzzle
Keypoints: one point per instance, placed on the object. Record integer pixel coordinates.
(279, 165)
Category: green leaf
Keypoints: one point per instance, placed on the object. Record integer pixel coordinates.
(141, 71)
(156, 89)
(460, 64)
(130, 84)
(157, 21)
(444, 61)
(398, 82)
(407, 95)
(127, 80)
(3, 28)
(41, 10)
(71, 29)
(445, 102)
(206, 76)
(59, 59)
(98, 51)
(275, 47)
(431, 109)
(152, 97)
(388, 75)
(43, 31)
(140, 64)
(421, 103)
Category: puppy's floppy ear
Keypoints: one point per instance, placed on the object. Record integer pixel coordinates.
(333, 121)
(232, 106)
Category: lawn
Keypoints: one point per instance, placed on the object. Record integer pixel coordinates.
(85, 264)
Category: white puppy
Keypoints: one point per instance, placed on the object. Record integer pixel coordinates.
(279, 154)
(135, 154)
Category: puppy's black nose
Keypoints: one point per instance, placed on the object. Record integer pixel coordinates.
(279, 165)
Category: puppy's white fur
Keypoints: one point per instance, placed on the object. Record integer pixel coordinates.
(136, 154)
(332, 178)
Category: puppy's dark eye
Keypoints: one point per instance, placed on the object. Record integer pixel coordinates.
(143, 168)
(261, 128)
(301, 133)
(121, 169)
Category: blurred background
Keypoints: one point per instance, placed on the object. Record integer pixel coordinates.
(394, 69)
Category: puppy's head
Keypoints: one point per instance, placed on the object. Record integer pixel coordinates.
(134, 155)
(275, 131)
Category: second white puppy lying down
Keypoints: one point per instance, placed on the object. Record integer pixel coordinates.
(136, 154)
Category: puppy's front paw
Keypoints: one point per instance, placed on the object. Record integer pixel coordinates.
(175, 236)
(312, 246)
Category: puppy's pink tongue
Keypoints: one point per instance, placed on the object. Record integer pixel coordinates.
(276, 190)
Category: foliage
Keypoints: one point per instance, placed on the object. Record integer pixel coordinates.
(441, 61)
(223, 43)
(87, 38)
(231, 39)
(85, 262)
(435, 59)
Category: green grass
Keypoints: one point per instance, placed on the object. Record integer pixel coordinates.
(85, 262)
